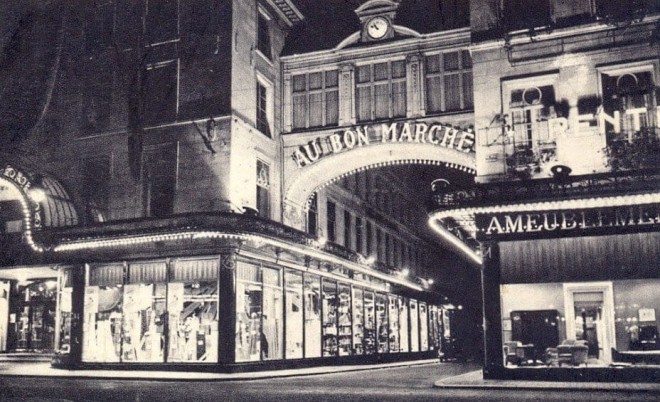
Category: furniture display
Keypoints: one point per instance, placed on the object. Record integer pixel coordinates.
(570, 351)
(539, 328)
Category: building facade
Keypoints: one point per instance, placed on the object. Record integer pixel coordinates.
(164, 223)
(565, 212)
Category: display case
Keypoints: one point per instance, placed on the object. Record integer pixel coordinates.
(345, 335)
(382, 323)
(369, 323)
(329, 318)
(312, 315)
(358, 322)
(393, 312)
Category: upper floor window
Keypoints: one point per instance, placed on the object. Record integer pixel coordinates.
(263, 189)
(381, 90)
(160, 93)
(359, 244)
(632, 93)
(526, 14)
(315, 99)
(369, 242)
(264, 106)
(331, 215)
(159, 178)
(529, 107)
(263, 34)
(348, 230)
(449, 82)
(312, 216)
(162, 20)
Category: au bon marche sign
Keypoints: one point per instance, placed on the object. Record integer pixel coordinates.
(501, 226)
(408, 132)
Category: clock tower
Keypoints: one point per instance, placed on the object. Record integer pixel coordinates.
(376, 18)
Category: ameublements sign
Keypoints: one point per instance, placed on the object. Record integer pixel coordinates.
(502, 225)
(402, 132)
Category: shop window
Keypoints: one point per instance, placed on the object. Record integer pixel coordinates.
(449, 82)
(249, 296)
(348, 228)
(94, 187)
(358, 321)
(162, 20)
(294, 314)
(381, 90)
(632, 94)
(65, 305)
(526, 14)
(263, 34)
(159, 173)
(272, 339)
(315, 99)
(423, 327)
(402, 304)
(263, 189)
(393, 313)
(369, 333)
(331, 217)
(382, 324)
(312, 299)
(329, 311)
(313, 216)
(264, 106)
(344, 321)
(414, 326)
(160, 92)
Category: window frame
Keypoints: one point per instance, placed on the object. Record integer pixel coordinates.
(324, 90)
(461, 72)
(264, 112)
(147, 183)
(265, 189)
(263, 28)
(372, 83)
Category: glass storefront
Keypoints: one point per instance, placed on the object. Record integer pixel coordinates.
(580, 324)
(167, 312)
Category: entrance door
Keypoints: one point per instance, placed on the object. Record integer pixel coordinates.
(34, 313)
(590, 317)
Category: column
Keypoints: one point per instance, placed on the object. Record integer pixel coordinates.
(346, 95)
(490, 287)
(227, 306)
(287, 110)
(77, 313)
(414, 87)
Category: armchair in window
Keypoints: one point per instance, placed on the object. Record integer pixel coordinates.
(571, 351)
(511, 353)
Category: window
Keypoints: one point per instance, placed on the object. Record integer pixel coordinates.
(263, 189)
(379, 245)
(162, 20)
(329, 311)
(263, 109)
(359, 244)
(160, 165)
(388, 249)
(369, 238)
(294, 314)
(263, 35)
(312, 316)
(526, 14)
(94, 187)
(529, 107)
(315, 99)
(347, 230)
(313, 216)
(381, 90)
(631, 92)
(160, 93)
(449, 82)
(331, 218)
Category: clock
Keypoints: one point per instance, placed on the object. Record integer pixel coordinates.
(377, 27)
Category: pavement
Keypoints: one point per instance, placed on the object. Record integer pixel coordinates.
(475, 380)
(31, 365)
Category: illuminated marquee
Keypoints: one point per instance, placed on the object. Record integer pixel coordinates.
(406, 132)
(539, 222)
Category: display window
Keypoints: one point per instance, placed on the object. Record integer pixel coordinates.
(581, 324)
(434, 338)
(414, 327)
(369, 323)
(423, 327)
(382, 323)
(358, 321)
(393, 313)
(329, 312)
(272, 339)
(344, 321)
(294, 314)
(312, 316)
(248, 312)
(403, 324)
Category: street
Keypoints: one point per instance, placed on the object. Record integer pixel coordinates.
(388, 384)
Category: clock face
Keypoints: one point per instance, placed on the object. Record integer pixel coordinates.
(377, 27)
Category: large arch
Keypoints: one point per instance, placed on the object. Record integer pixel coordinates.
(302, 183)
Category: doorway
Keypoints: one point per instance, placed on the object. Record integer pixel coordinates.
(590, 317)
(32, 320)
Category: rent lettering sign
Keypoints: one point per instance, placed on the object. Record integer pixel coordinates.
(406, 132)
(491, 226)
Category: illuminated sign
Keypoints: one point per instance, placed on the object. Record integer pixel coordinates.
(543, 222)
(406, 132)
(16, 176)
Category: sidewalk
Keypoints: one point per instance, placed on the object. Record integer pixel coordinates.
(474, 380)
(43, 369)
